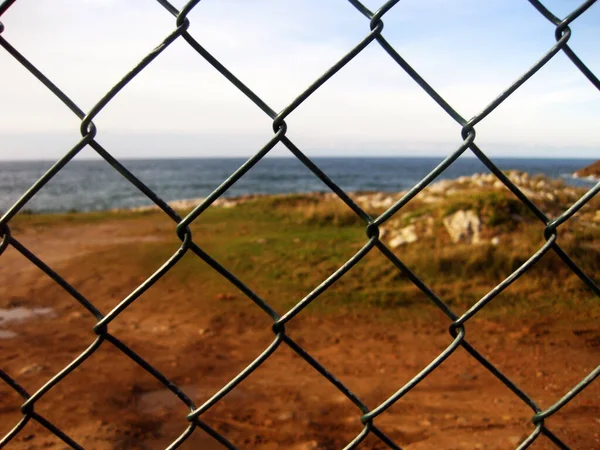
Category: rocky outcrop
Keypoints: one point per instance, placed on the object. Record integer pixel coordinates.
(536, 187)
(469, 210)
(473, 209)
(193, 202)
(592, 171)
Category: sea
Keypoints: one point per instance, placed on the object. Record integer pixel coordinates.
(93, 185)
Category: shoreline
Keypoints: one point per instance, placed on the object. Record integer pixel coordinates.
(590, 178)
(230, 202)
(536, 187)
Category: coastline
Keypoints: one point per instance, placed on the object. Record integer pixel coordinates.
(533, 186)
(92, 186)
(590, 178)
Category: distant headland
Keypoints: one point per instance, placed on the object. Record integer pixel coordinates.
(591, 171)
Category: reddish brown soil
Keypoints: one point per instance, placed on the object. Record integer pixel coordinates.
(111, 403)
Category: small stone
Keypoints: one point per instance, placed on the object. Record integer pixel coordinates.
(404, 236)
(466, 376)
(32, 368)
(514, 440)
(287, 415)
(75, 315)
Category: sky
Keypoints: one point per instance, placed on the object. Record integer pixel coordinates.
(180, 106)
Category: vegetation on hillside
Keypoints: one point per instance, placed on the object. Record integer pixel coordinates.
(282, 247)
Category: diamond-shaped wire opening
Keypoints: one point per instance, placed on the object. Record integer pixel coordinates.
(386, 105)
(180, 330)
(88, 254)
(373, 288)
(83, 404)
(34, 301)
(464, 230)
(462, 402)
(550, 308)
(56, 128)
(442, 72)
(291, 63)
(94, 63)
(299, 408)
(198, 113)
(191, 299)
(277, 257)
(553, 111)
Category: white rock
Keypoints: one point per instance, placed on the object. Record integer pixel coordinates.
(463, 226)
(490, 178)
(404, 236)
(32, 368)
(440, 187)
(429, 199)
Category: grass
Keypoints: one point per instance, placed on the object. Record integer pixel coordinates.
(282, 248)
(27, 219)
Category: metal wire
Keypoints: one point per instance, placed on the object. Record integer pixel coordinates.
(458, 324)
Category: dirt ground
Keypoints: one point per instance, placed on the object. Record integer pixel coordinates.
(201, 339)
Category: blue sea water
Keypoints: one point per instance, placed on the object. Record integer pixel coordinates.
(91, 185)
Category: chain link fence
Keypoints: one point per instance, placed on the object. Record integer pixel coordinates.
(458, 323)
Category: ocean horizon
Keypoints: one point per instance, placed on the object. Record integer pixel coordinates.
(93, 185)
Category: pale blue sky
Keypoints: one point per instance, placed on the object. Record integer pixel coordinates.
(469, 50)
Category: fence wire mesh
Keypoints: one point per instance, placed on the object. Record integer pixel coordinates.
(458, 323)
